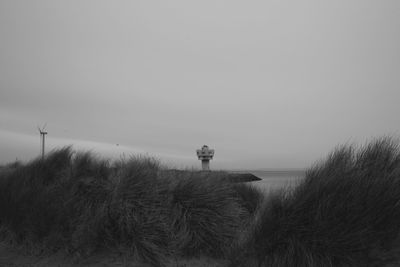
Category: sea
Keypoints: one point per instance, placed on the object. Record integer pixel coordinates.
(272, 180)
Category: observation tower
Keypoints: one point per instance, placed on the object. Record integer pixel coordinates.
(205, 155)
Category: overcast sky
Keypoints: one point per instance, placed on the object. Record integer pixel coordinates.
(267, 84)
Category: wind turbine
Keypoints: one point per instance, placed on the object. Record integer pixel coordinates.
(42, 138)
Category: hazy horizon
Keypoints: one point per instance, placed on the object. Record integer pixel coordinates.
(267, 84)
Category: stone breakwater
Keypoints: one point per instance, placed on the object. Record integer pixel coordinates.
(234, 177)
(242, 177)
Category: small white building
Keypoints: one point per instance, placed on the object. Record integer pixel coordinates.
(205, 155)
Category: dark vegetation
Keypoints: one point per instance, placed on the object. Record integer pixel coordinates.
(80, 204)
(345, 210)
(347, 207)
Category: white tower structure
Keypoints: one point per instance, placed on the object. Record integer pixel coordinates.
(205, 155)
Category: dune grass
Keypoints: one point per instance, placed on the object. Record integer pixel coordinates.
(79, 203)
(346, 208)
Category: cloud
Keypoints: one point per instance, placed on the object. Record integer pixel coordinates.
(267, 84)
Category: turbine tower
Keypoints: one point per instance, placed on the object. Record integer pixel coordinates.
(205, 155)
(42, 139)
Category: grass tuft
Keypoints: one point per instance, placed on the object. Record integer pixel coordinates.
(79, 203)
(206, 214)
(346, 207)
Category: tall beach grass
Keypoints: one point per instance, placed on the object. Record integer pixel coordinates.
(80, 204)
(344, 212)
(346, 207)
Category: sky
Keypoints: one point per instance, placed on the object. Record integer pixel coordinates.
(267, 84)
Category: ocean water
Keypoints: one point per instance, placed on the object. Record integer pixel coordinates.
(276, 179)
